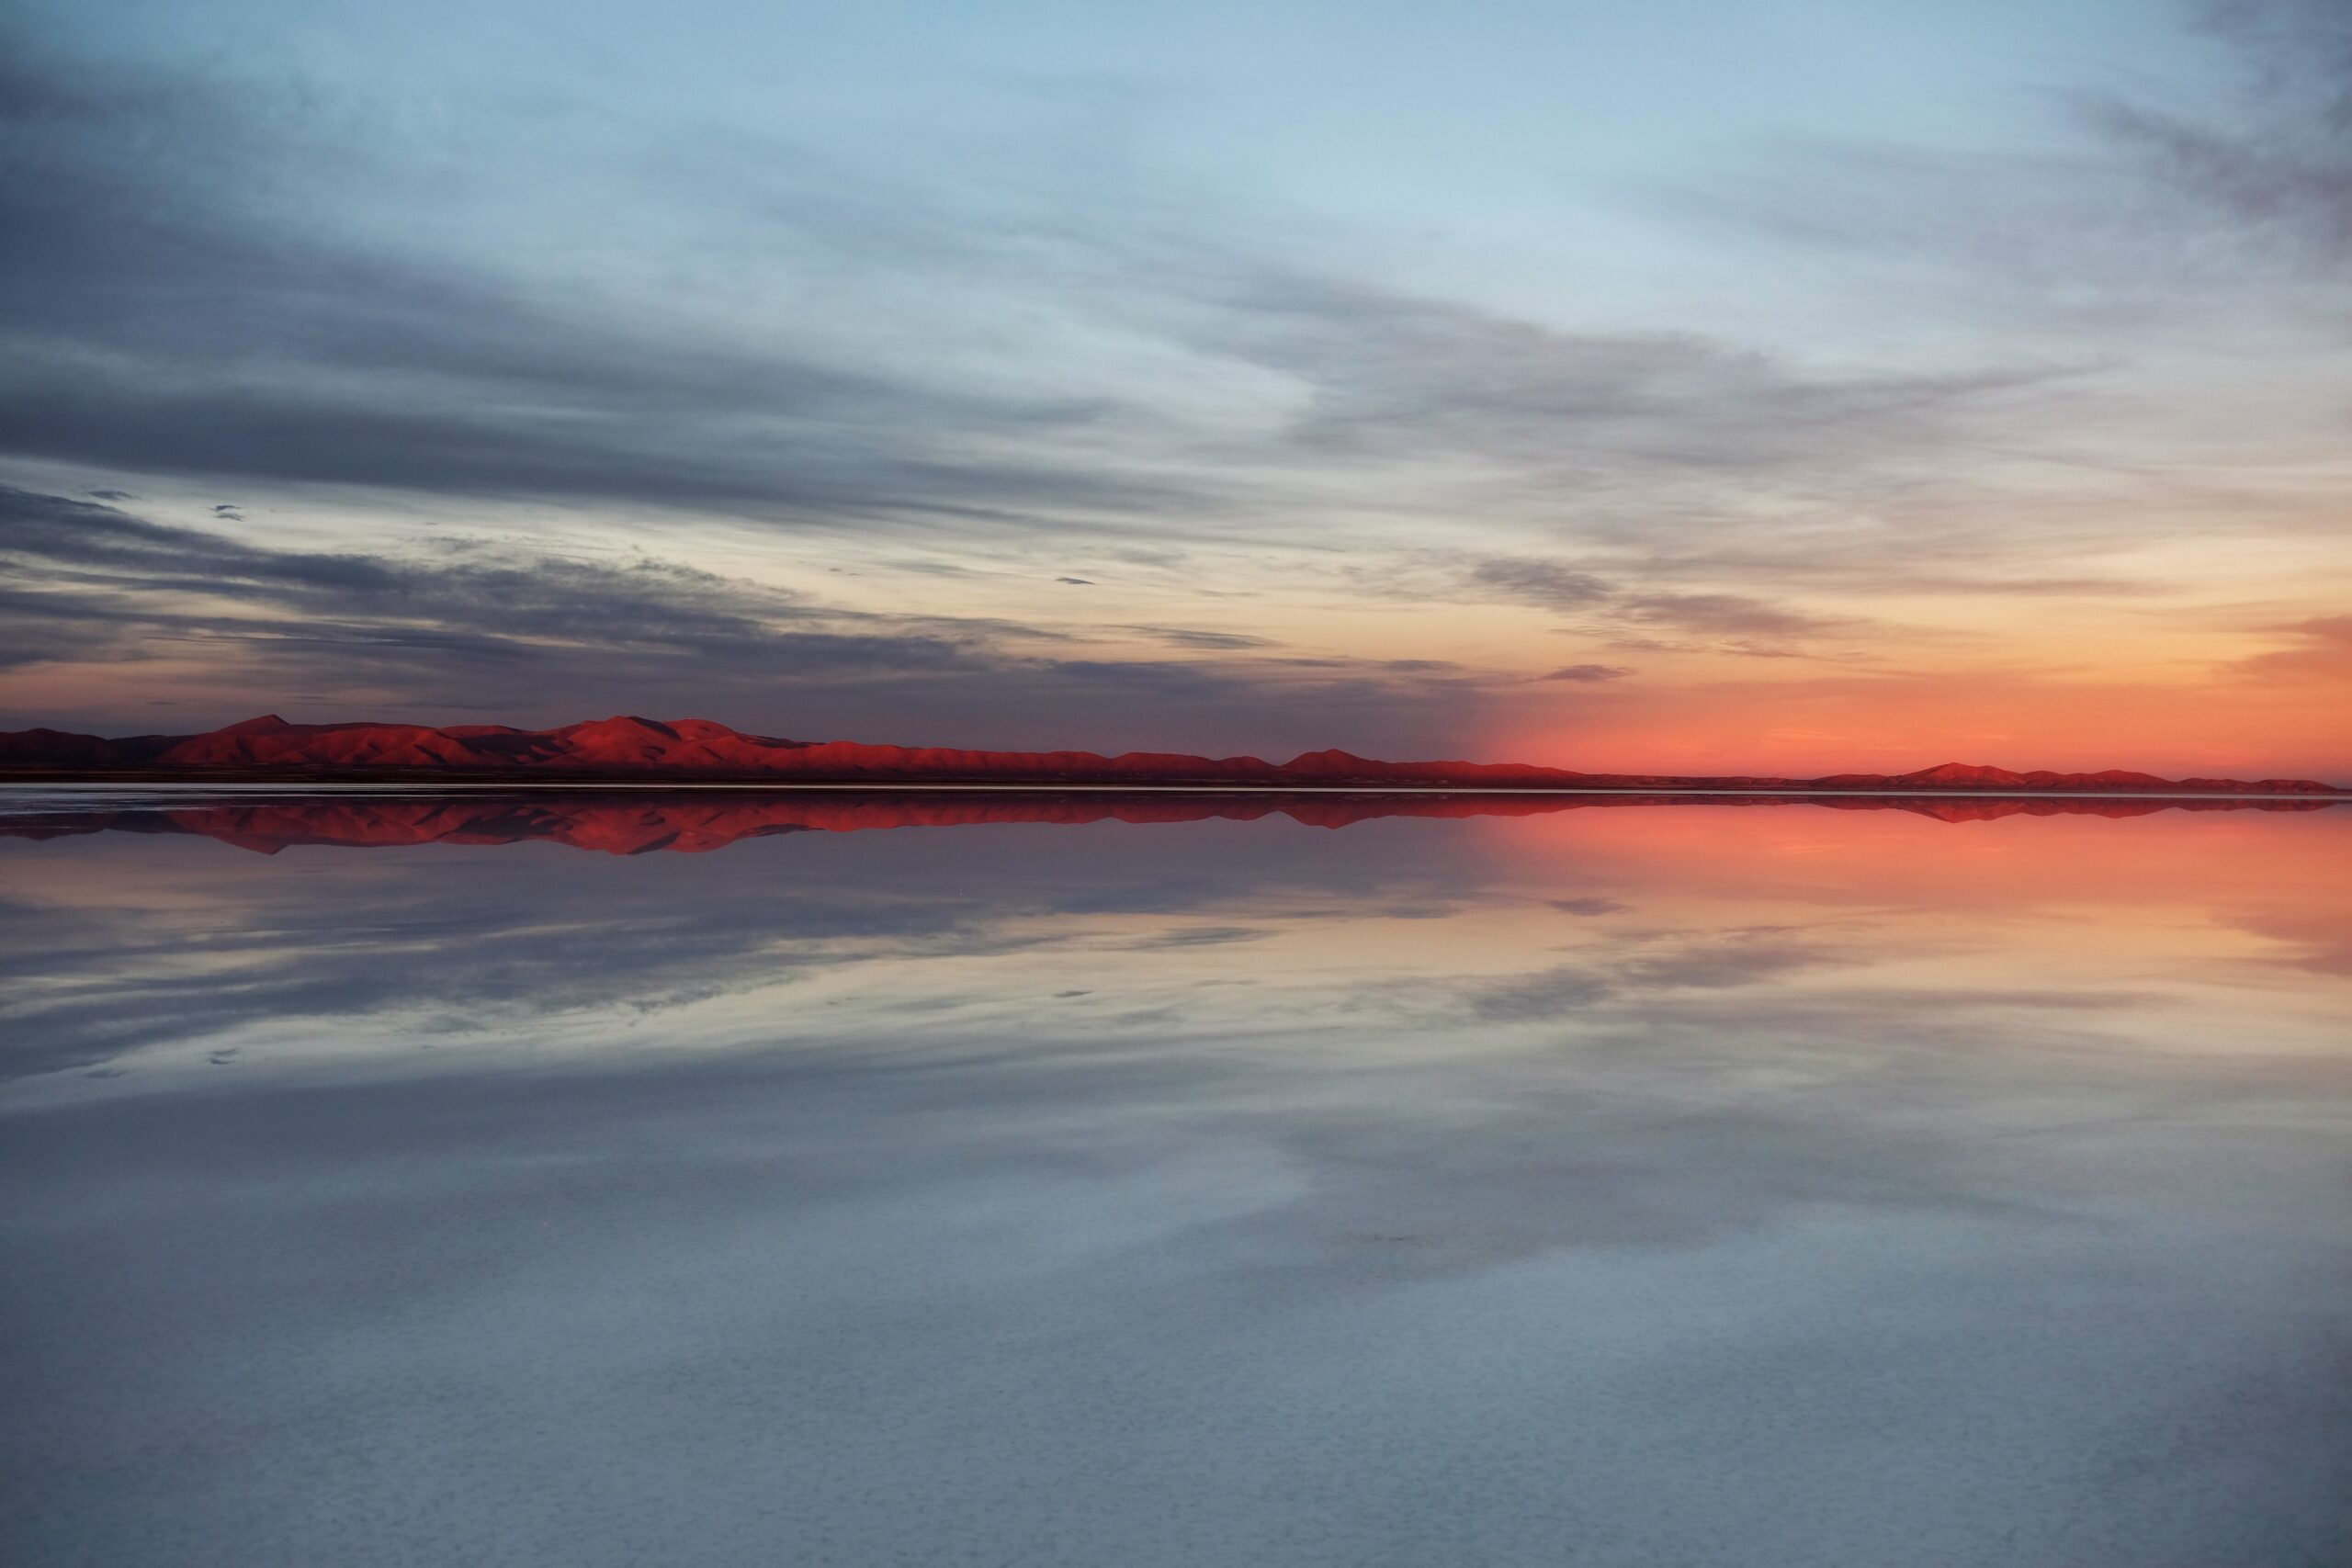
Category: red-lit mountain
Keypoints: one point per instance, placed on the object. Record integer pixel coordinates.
(640, 750)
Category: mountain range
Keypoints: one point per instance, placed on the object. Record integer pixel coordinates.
(626, 749)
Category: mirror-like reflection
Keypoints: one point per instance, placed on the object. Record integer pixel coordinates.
(630, 822)
(1163, 1181)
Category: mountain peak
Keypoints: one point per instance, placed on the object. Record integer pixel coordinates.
(622, 723)
(1963, 773)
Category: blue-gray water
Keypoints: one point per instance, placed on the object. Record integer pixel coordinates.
(1656, 1185)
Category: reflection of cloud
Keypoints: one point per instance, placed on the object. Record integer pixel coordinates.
(489, 945)
(1727, 963)
(2320, 940)
(112, 987)
(647, 819)
(1586, 906)
(1552, 991)
(1713, 965)
(1196, 936)
(1133, 1273)
(1035, 1164)
(1743, 1102)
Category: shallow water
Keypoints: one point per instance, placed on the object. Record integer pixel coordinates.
(1622, 1184)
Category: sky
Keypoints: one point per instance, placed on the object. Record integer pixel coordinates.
(1741, 386)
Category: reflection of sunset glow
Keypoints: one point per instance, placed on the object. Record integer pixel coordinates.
(870, 1122)
(2159, 921)
(1899, 858)
(2194, 726)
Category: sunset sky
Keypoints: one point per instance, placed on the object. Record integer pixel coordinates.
(1776, 387)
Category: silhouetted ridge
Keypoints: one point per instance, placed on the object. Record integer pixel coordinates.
(627, 747)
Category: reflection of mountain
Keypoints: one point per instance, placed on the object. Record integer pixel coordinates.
(637, 823)
(269, 748)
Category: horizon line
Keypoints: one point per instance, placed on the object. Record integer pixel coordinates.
(46, 755)
(170, 784)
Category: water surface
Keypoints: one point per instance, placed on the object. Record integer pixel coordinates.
(438, 1180)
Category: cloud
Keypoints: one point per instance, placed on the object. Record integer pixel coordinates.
(2322, 652)
(1551, 584)
(1739, 621)
(1188, 637)
(2145, 221)
(1727, 615)
(230, 337)
(1195, 936)
(492, 626)
(2281, 165)
(221, 336)
(1668, 461)
(1587, 674)
(109, 568)
(256, 284)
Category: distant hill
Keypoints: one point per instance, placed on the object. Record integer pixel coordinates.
(625, 749)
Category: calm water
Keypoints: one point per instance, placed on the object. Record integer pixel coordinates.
(1635, 1185)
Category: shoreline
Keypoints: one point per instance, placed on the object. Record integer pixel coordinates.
(164, 783)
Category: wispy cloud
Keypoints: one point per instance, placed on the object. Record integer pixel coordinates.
(98, 565)
(1727, 615)
(495, 627)
(1734, 623)
(225, 337)
(1553, 585)
(2320, 650)
(2282, 163)
(229, 338)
